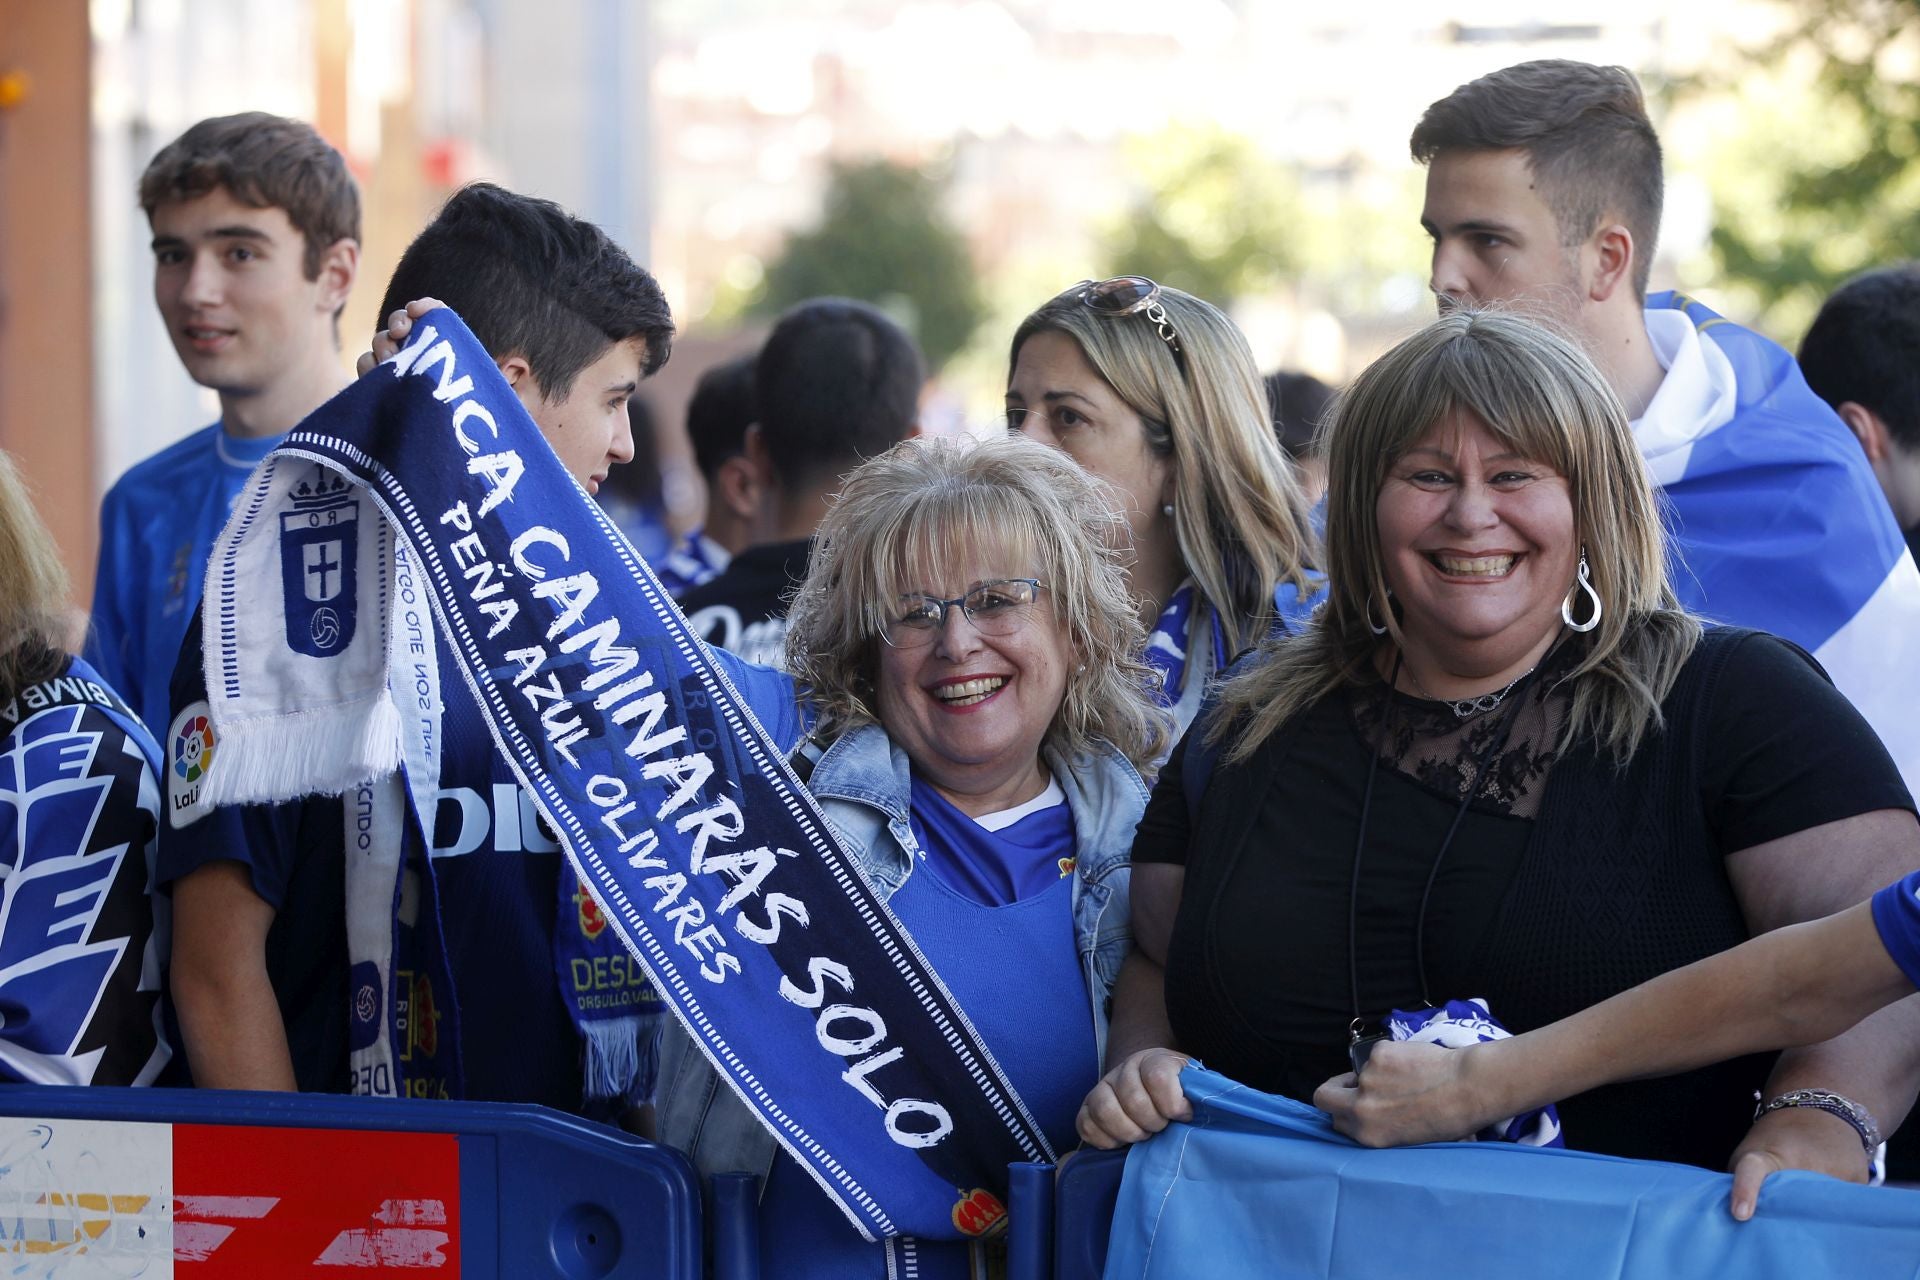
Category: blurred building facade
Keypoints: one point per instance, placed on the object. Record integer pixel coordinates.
(1028, 105)
(419, 95)
(702, 132)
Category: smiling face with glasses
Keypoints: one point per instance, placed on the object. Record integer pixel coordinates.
(969, 683)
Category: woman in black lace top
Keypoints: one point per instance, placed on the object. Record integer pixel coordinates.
(1502, 762)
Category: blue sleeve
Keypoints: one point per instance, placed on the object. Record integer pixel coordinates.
(264, 838)
(772, 695)
(1896, 914)
(117, 579)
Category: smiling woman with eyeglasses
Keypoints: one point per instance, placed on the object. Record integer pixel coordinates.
(967, 641)
(1157, 393)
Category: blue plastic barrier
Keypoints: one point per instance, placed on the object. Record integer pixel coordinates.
(1084, 1195)
(528, 1192)
(1029, 1221)
(1059, 1216)
(733, 1218)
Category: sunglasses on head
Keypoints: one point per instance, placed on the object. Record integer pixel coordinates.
(1127, 296)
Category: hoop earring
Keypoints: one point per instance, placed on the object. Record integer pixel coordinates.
(1584, 583)
(1371, 626)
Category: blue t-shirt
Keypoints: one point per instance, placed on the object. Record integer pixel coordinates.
(1896, 914)
(1013, 966)
(498, 875)
(157, 527)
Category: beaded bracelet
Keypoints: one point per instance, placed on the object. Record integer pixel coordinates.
(1833, 1104)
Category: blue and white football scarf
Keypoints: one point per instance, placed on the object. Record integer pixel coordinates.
(1778, 524)
(79, 947)
(708, 859)
(1168, 644)
(1172, 638)
(1457, 1025)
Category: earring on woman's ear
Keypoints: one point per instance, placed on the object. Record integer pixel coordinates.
(1582, 582)
(1166, 509)
(1377, 628)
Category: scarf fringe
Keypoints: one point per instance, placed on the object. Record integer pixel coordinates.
(319, 752)
(620, 1057)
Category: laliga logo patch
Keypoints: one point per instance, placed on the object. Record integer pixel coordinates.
(592, 921)
(979, 1213)
(190, 746)
(319, 545)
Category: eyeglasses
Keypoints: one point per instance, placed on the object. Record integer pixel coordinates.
(994, 608)
(1127, 296)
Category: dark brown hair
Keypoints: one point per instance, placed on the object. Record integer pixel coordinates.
(1587, 138)
(267, 162)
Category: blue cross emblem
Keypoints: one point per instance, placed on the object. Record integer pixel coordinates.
(320, 560)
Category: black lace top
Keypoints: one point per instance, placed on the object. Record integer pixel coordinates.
(1567, 881)
(1429, 742)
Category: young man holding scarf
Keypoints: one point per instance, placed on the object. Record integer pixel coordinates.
(508, 985)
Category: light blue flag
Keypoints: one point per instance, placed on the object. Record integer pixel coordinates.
(1259, 1185)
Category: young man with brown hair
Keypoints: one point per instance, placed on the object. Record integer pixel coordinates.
(256, 230)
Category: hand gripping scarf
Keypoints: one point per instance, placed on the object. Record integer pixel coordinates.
(706, 857)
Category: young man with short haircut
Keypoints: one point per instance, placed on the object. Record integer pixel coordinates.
(718, 416)
(1862, 356)
(1544, 190)
(837, 383)
(256, 230)
(262, 902)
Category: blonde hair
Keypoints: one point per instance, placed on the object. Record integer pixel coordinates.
(931, 500)
(1541, 397)
(33, 589)
(1239, 513)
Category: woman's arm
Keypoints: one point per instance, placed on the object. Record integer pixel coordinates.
(1793, 986)
(1141, 1093)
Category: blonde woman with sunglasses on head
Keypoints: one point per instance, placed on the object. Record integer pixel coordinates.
(1157, 393)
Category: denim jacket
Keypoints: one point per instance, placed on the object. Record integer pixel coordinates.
(862, 783)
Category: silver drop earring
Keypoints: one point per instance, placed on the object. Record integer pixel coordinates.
(1582, 582)
(1371, 626)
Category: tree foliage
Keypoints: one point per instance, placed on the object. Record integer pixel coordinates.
(1217, 218)
(1825, 181)
(883, 238)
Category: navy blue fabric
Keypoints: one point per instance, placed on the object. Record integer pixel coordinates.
(497, 875)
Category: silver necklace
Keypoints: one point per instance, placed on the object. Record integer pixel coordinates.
(1467, 708)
